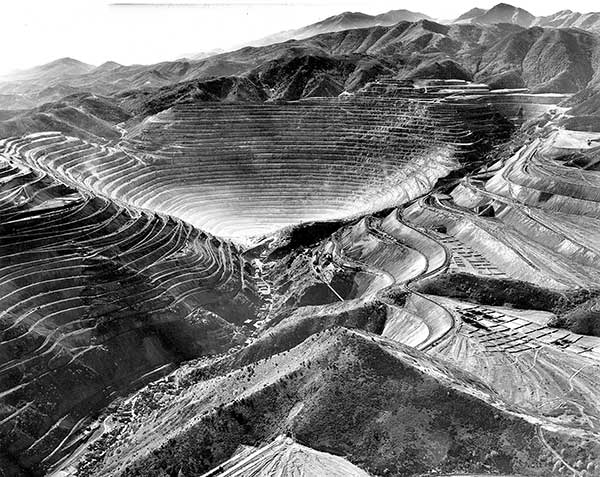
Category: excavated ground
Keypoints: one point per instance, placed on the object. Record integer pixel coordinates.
(415, 340)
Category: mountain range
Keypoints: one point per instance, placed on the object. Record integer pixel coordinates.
(504, 13)
(503, 55)
(500, 13)
(343, 21)
(474, 46)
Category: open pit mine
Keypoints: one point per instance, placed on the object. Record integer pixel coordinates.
(398, 279)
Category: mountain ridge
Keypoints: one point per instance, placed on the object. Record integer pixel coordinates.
(343, 21)
(60, 67)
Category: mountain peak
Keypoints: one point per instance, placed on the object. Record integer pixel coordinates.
(108, 66)
(56, 69)
(500, 13)
(506, 8)
(347, 16)
(474, 12)
(396, 16)
(65, 61)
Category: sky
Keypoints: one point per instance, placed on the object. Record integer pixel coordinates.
(131, 31)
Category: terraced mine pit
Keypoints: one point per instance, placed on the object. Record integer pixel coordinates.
(246, 170)
(369, 284)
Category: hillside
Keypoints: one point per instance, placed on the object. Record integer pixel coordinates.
(84, 115)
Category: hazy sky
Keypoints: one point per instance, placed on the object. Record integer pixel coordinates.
(38, 31)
